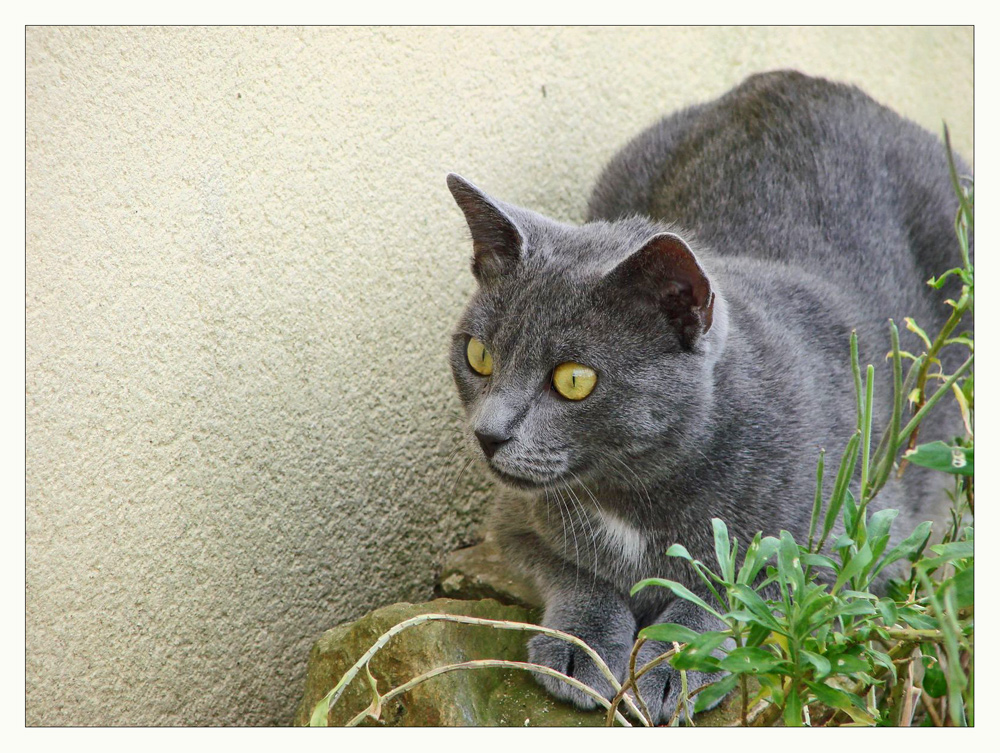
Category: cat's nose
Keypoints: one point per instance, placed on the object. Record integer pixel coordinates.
(490, 442)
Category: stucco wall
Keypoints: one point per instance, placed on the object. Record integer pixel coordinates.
(243, 267)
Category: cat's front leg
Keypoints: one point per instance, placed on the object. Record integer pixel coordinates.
(660, 688)
(603, 621)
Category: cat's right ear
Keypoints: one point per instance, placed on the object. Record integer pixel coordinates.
(497, 244)
(665, 276)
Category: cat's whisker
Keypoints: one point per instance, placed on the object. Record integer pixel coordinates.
(568, 528)
(612, 456)
(454, 454)
(644, 496)
(562, 519)
(591, 530)
(570, 511)
(458, 477)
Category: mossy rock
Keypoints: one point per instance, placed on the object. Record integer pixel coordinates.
(478, 697)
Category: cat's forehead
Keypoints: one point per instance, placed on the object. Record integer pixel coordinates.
(556, 251)
(536, 316)
(552, 287)
(542, 297)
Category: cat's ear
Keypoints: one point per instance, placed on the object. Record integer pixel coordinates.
(497, 244)
(665, 275)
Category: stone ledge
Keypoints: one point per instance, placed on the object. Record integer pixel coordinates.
(481, 572)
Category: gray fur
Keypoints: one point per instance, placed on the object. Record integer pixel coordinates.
(812, 210)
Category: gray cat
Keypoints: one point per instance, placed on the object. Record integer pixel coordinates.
(684, 354)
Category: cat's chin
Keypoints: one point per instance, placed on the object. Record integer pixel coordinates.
(519, 482)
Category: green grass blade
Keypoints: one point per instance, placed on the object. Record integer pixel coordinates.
(817, 500)
(856, 371)
(844, 474)
(866, 441)
(722, 550)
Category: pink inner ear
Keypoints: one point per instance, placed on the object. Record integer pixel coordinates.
(666, 270)
(680, 269)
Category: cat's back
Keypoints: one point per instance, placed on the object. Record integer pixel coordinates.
(795, 169)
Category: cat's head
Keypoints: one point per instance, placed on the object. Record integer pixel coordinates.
(584, 350)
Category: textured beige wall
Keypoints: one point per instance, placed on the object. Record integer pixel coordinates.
(242, 270)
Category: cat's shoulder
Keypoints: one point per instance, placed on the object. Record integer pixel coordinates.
(766, 101)
(769, 123)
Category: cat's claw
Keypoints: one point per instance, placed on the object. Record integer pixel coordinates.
(572, 661)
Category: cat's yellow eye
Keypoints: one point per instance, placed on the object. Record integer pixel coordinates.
(479, 357)
(574, 381)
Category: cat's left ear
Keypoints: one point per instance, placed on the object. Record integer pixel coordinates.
(665, 275)
(497, 244)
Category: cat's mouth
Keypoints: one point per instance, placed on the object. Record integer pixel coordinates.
(528, 474)
(520, 482)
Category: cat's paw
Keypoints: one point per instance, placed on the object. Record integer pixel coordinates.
(572, 661)
(661, 687)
